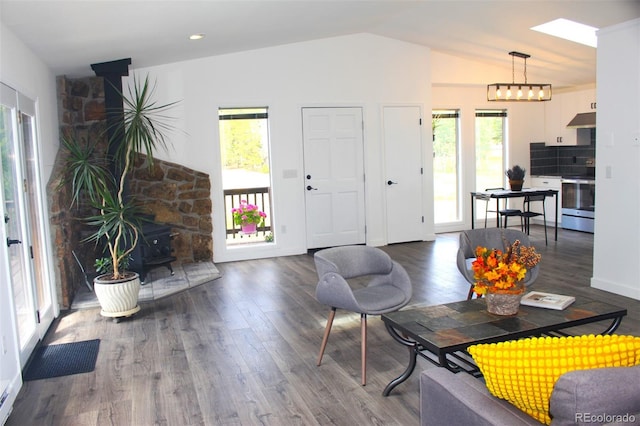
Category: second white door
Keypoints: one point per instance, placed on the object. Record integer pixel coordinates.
(404, 169)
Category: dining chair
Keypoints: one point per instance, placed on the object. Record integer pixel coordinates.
(527, 213)
(503, 213)
(379, 285)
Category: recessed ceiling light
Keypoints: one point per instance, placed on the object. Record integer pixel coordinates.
(570, 30)
(198, 36)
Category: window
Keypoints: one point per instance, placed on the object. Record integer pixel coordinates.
(490, 151)
(244, 145)
(446, 165)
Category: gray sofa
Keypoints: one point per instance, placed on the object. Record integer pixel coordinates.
(578, 398)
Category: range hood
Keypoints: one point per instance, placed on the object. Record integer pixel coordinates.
(585, 120)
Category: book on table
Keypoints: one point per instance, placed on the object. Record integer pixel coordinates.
(547, 300)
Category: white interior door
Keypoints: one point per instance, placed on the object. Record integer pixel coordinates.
(404, 168)
(334, 176)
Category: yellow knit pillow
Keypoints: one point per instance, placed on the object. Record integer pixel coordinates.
(524, 371)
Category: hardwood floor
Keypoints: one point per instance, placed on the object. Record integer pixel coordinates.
(241, 350)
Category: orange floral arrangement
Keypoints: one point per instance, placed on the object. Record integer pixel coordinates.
(503, 272)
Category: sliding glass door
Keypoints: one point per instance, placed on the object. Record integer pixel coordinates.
(23, 212)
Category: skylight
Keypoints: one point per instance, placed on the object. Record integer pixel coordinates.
(570, 30)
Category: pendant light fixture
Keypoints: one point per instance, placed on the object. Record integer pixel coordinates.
(519, 92)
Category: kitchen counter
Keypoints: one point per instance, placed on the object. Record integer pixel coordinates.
(584, 177)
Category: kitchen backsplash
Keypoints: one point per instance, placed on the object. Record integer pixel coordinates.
(561, 160)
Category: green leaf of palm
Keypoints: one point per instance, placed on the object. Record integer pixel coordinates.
(86, 175)
(146, 126)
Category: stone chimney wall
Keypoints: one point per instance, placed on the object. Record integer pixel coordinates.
(180, 197)
(175, 195)
(81, 111)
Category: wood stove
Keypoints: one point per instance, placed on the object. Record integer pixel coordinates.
(153, 249)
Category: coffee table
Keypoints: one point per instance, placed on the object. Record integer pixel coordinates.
(442, 333)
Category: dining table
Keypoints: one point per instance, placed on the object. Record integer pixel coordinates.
(501, 194)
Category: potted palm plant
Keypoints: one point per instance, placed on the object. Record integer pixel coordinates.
(116, 219)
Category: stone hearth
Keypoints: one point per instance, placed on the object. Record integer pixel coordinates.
(159, 283)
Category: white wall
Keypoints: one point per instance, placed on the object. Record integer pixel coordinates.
(617, 226)
(24, 72)
(358, 70)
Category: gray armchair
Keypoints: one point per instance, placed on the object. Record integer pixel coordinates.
(388, 287)
(490, 238)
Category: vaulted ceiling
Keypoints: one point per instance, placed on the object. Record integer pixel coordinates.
(70, 35)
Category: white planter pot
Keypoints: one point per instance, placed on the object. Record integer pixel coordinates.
(118, 298)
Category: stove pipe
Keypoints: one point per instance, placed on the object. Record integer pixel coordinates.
(112, 72)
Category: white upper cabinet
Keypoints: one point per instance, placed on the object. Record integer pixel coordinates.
(560, 110)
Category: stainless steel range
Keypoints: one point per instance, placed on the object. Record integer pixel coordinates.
(578, 204)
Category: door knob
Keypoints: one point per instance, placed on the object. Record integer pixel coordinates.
(11, 242)
(390, 182)
(310, 188)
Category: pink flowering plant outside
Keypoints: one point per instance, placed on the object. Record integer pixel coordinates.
(247, 213)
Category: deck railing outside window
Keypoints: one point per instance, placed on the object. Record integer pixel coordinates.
(258, 196)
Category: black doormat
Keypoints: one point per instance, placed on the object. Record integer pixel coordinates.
(63, 360)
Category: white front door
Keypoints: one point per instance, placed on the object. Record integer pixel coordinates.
(334, 176)
(404, 169)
